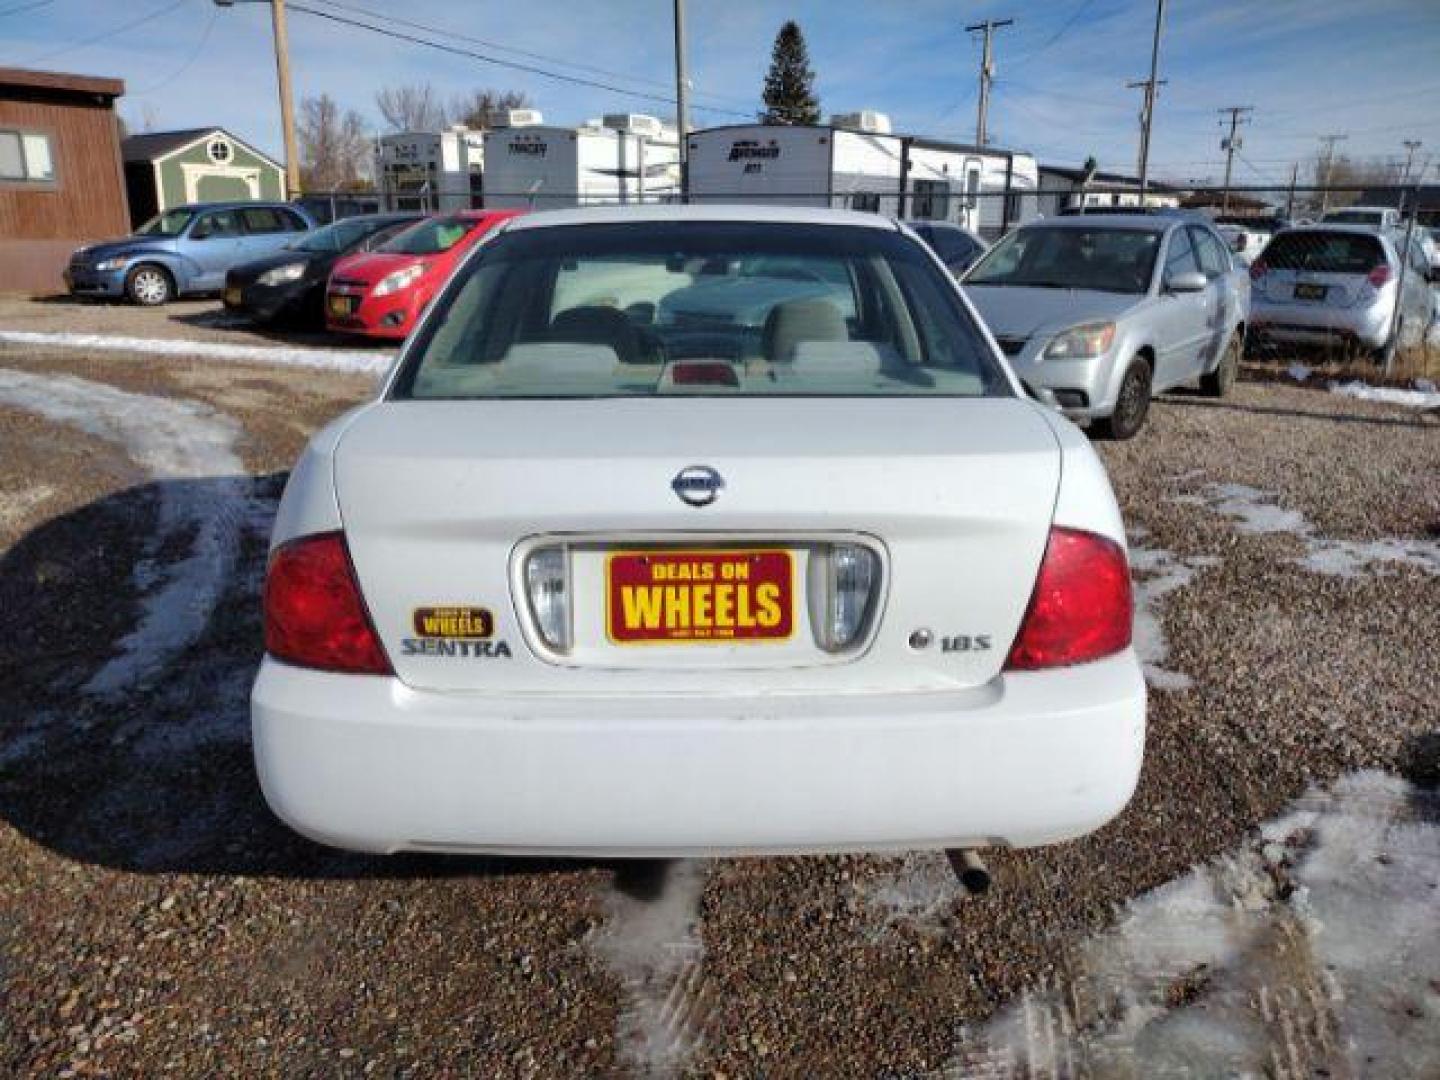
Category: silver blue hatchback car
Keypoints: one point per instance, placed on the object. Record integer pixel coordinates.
(185, 250)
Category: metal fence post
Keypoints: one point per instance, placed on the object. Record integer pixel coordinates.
(1395, 319)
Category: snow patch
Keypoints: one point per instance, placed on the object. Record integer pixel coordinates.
(1298, 372)
(205, 499)
(351, 361)
(1422, 397)
(653, 945)
(1311, 950)
(16, 506)
(1156, 574)
(1254, 512)
(919, 892)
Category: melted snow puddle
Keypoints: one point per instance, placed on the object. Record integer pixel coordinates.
(653, 946)
(356, 361)
(1256, 513)
(1313, 947)
(173, 440)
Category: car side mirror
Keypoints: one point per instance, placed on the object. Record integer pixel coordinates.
(1191, 281)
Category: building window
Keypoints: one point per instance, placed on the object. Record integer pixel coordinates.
(220, 151)
(25, 156)
(932, 200)
(865, 200)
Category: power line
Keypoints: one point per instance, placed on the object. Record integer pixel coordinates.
(25, 7)
(132, 24)
(530, 68)
(457, 35)
(1025, 58)
(194, 55)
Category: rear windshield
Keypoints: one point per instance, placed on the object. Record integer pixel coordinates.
(700, 308)
(1107, 259)
(1355, 217)
(1324, 252)
(430, 237)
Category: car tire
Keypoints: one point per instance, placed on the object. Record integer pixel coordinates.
(149, 285)
(1132, 403)
(1218, 382)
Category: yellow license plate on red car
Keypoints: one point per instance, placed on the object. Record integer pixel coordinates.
(341, 305)
(699, 597)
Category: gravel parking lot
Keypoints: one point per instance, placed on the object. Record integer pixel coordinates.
(154, 915)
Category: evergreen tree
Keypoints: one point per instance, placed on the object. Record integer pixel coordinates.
(789, 94)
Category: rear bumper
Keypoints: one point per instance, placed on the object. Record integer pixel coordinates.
(369, 764)
(1297, 324)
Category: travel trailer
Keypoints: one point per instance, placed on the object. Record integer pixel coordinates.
(856, 162)
(431, 171)
(622, 158)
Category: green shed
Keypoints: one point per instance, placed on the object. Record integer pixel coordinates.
(172, 168)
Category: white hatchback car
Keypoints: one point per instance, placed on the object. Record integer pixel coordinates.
(691, 531)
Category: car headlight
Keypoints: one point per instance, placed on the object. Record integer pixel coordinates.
(117, 263)
(1081, 342)
(283, 275)
(400, 279)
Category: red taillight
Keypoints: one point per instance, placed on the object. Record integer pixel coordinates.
(1081, 608)
(314, 616)
(1258, 269)
(1379, 276)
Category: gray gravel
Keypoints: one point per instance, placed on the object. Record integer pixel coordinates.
(153, 915)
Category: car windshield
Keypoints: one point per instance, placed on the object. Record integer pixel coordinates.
(170, 223)
(1325, 252)
(1106, 259)
(429, 237)
(700, 308)
(337, 237)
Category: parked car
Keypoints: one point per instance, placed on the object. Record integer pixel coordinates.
(1337, 286)
(1374, 217)
(184, 250)
(957, 247)
(1099, 313)
(1243, 243)
(579, 582)
(289, 285)
(1429, 244)
(328, 209)
(381, 293)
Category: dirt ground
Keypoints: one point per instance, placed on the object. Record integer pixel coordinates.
(155, 916)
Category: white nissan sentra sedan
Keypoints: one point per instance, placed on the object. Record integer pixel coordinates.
(698, 531)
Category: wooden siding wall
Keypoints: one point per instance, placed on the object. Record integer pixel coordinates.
(86, 201)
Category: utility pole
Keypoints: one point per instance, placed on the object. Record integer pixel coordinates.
(282, 72)
(987, 72)
(1411, 145)
(1230, 144)
(1147, 110)
(1329, 141)
(1290, 197)
(682, 101)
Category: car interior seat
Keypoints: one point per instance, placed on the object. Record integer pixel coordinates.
(795, 321)
(596, 325)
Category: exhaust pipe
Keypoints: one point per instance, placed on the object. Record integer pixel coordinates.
(974, 875)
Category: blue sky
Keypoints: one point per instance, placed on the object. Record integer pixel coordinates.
(1310, 67)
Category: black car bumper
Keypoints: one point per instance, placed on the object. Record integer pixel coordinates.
(297, 300)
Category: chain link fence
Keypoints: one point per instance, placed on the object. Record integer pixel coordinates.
(1341, 279)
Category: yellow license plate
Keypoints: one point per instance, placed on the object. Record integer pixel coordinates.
(232, 296)
(698, 597)
(341, 305)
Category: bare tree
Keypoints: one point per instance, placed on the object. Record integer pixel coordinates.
(476, 109)
(1347, 177)
(412, 107)
(334, 148)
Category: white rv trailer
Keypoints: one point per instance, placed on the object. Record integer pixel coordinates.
(430, 170)
(841, 165)
(623, 158)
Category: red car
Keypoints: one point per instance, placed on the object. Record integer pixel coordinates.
(383, 292)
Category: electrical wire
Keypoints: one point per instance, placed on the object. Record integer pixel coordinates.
(529, 68)
(25, 7)
(194, 55)
(440, 30)
(112, 32)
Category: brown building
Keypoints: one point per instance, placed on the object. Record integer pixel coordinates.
(61, 181)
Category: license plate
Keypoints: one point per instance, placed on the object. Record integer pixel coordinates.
(232, 297)
(342, 305)
(1309, 292)
(699, 597)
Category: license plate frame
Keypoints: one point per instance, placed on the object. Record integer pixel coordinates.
(758, 608)
(1309, 290)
